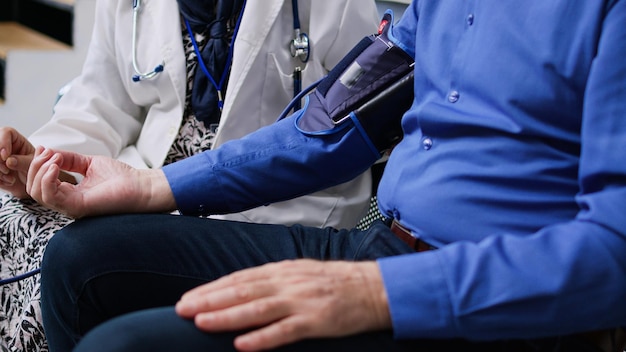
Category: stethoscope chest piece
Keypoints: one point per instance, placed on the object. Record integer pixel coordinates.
(300, 46)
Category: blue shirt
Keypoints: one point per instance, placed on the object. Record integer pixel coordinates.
(513, 163)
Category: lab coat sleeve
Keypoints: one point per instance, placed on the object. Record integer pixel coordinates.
(96, 115)
(274, 163)
(565, 278)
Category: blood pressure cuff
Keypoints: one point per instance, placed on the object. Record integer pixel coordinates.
(372, 87)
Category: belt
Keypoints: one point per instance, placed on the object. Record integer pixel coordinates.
(405, 235)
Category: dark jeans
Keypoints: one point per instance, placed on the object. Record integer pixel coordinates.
(102, 268)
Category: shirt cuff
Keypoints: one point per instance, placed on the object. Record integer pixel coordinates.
(183, 177)
(417, 295)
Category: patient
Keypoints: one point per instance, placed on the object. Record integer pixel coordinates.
(174, 114)
(506, 196)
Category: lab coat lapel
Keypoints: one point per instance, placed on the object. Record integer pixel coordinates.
(158, 133)
(168, 31)
(258, 18)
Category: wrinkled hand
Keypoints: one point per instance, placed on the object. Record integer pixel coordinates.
(291, 301)
(109, 186)
(16, 154)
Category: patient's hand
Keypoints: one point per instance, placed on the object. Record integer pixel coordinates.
(280, 303)
(108, 187)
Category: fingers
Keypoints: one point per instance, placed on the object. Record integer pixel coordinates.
(44, 186)
(236, 288)
(14, 169)
(19, 162)
(13, 182)
(15, 151)
(221, 294)
(282, 332)
(67, 161)
(6, 142)
(246, 306)
(264, 272)
(242, 276)
(258, 312)
(13, 143)
(6, 171)
(256, 297)
(5, 153)
(241, 300)
(42, 166)
(7, 179)
(14, 164)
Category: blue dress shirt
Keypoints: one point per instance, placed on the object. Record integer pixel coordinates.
(513, 163)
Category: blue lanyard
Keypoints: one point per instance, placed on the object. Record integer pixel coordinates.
(220, 85)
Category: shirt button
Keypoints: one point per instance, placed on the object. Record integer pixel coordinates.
(453, 97)
(427, 143)
(470, 19)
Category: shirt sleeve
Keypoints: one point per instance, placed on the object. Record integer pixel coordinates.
(275, 163)
(565, 278)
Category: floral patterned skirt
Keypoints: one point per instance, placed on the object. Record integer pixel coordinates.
(25, 229)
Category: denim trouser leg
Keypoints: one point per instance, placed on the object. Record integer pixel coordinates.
(99, 268)
(160, 329)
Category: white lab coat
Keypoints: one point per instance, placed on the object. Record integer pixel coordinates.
(106, 113)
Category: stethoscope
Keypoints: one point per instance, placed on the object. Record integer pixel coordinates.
(299, 47)
(138, 76)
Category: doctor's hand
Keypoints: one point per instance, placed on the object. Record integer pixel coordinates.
(290, 301)
(16, 153)
(109, 186)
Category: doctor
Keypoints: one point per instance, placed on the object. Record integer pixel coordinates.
(151, 122)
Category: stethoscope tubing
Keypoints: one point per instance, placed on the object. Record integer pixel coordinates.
(294, 103)
(139, 75)
(296, 15)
